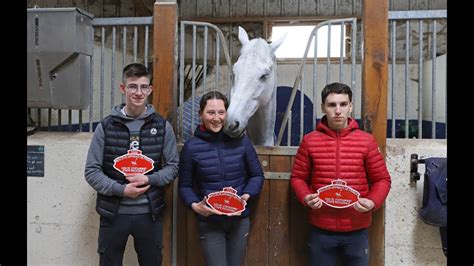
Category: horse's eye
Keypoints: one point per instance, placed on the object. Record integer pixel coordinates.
(263, 77)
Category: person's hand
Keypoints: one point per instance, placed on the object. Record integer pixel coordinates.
(132, 178)
(313, 201)
(364, 205)
(245, 197)
(234, 214)
(202, 208)
(138, 184)
(133, 190)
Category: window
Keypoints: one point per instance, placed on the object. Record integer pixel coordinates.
(297, 37)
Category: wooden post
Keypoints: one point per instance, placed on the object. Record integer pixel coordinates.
(164, 98)
(165, 28)
(374, 102)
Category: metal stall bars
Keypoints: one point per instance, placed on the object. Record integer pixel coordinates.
(202, 63)
(112, 24)
(408, 32)
(299, 81)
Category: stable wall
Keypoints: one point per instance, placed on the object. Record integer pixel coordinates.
(62, 224)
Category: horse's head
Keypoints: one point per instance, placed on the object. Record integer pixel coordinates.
(254, 81)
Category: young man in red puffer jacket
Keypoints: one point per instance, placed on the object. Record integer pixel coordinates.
(339, 150)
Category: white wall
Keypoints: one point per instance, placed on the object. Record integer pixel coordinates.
(62, 224)
(440, 96)
(409, 241)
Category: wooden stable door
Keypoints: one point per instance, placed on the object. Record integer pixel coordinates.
(279, 225)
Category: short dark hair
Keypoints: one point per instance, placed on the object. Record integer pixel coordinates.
(136, 70)
(212, 95)
(337, 88)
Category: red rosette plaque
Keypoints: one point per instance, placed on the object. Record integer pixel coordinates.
(338, 195)
(134, 162)
(226, 201)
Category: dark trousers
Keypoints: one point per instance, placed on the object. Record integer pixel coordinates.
(224, 243)
(147, 238)
(349, 248)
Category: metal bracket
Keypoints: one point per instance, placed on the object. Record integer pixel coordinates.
(277, 175)
(414, 161)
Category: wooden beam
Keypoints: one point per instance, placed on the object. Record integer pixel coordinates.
(374, 70)
(165, 28)
(374, 102)
(164, 98)
(221, 20)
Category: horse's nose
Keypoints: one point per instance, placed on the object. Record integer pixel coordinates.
(233, 126)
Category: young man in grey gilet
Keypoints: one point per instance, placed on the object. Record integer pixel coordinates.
(131, 158)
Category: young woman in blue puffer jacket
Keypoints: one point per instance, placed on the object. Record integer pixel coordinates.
(210, 161)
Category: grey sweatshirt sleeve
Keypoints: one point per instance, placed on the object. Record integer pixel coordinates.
(94, 173)
(169, 169)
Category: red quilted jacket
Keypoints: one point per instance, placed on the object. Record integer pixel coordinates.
(351, 155)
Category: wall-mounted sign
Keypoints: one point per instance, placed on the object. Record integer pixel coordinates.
(35, 160)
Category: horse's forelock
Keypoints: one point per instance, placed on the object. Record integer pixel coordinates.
(258, 49)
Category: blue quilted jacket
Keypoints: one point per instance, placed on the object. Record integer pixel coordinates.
(211, 161)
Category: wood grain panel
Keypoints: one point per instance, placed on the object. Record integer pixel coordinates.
(358, 8)
(327, 8)
(344, 8)
(222, 9)
(182, 234)
(374, 102)
(194, 252)
(164, 65)
(205, 8)
(168, 225)
(400, 4)
(290, 8)
(95, 7)
(298, 231)
(164, 76)
(257, 244)
(272, 8)
(110, 8)
(420, 5)
(279, 211)
(377, 238)
(188, 9)
(308, 8)
(255, 8)
(238, 8)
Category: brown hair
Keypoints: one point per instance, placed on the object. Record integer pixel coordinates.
(337, 88)
(135, 70)
(212, 95)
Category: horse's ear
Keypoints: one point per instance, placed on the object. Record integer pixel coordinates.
(243, 37)
(274, 45)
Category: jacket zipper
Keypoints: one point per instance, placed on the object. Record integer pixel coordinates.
(146, 193)
(149, 206)
(221, 163)
(337, 153)
(337, 165)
